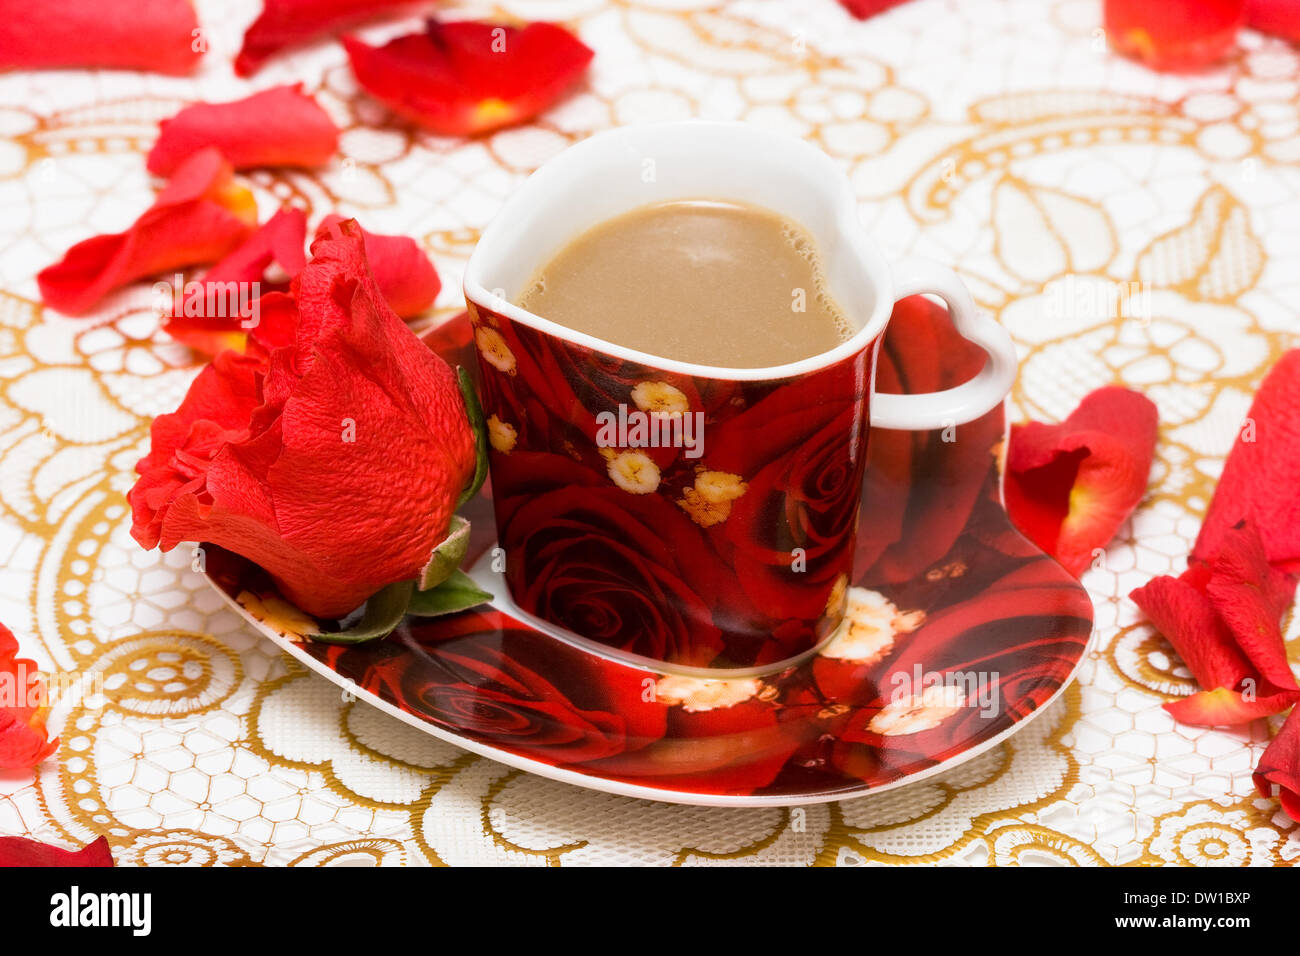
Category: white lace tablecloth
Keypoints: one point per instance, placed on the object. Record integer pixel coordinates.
(997, 135)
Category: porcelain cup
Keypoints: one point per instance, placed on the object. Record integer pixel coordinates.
(687, 517)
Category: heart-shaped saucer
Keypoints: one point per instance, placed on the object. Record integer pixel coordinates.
(958, 631)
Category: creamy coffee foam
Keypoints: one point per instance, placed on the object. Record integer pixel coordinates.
(710, 283)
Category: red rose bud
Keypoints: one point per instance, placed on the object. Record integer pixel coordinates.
(20, 851)
(161, 36)
(1261, 481)
(1070, 486)
(862, 9)
(216, 312)
(23, 739)
(466, 78)
(1173, 34)
(402, 269)
(1278, 17)
(333, 461)
(1281, 765)
(200, 216)
(289, 23)
(282, 126)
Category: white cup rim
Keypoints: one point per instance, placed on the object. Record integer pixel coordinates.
(534, 202)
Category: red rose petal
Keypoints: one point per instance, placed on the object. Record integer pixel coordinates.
(1261, 482)
(280, 240)
(1173, 34)
(862, 9)
(402, 269)
(200, 216)
(1223, 707)
(1250, 597)
(289, 23)
(1226, 632)
(23, 739)
(1070, 486)
(1185, 616)
(1281, 765)
(466, 78)
(160, 36)
(1223, 614)
(212, 317)
(1278, 17)
(282, 126)
(216, 409)
(20, 851)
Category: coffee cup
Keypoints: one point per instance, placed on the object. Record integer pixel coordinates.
(686, 517)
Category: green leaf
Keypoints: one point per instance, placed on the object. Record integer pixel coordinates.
(382, 612)
(474, 410)
(457, 593)
(447, 556)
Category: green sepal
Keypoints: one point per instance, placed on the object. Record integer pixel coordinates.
(457, 593)
(446, 557)
(381, 614)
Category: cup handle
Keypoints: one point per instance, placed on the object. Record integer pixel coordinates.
(965, 402)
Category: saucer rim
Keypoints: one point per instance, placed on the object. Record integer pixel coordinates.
(603, 784)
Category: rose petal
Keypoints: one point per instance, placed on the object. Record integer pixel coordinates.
(216, 313)
(1260, 480)
(161, 36)
(1223, 613)
(280, 240)
(20, 851)
(862, 9)
(1173, 34)
(1278, 17)
(200, 216)
(1070, 486)
(1223, 707)
(466, 78)
(24, 741)
(289, 23)
(1250, 597)
(1223, 620)
(282, 126)
(402, 269)
(1281, 765)
(1185, 616)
